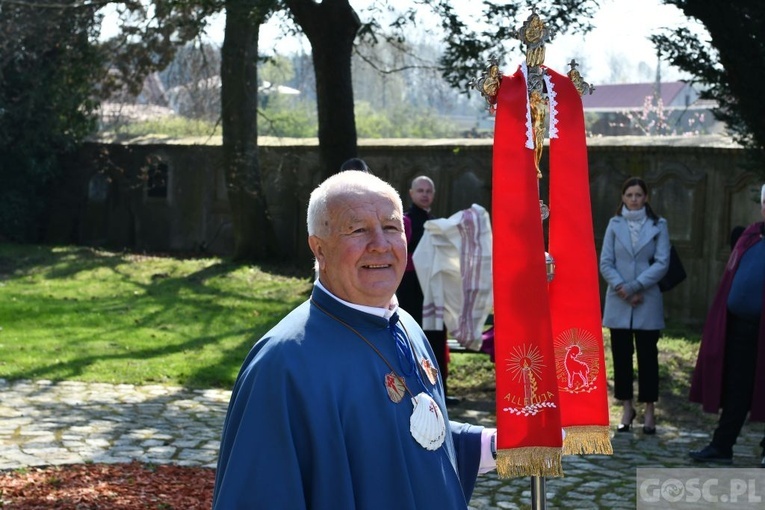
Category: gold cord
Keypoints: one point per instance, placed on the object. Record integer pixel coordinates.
(370, 344)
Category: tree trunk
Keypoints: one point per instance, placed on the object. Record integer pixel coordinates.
(254, 235)
(331, 27)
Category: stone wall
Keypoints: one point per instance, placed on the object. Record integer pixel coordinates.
(172, 197)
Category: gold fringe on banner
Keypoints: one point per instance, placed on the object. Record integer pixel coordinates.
(582, 440)
(529, 461)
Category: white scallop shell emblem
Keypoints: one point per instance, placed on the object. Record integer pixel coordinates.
(427, 423)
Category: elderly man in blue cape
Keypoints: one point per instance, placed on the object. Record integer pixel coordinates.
(340, 405)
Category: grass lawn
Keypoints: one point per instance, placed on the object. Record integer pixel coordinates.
(471, 376)
(84, 314)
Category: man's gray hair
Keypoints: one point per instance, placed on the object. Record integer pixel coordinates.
(343, 183)
(423, 178)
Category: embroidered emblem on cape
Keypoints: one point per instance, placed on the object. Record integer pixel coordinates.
(430, 370)
(427, 424)
(576, 365)
(529, 397)
(395, 387)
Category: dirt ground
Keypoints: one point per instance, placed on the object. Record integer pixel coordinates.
(130, 486)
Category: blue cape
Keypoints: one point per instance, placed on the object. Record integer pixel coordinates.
(310, 423)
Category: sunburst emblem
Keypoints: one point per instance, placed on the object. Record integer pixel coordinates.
(576, 360)
(525, 365)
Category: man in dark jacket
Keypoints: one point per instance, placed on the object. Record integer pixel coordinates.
(409, 293)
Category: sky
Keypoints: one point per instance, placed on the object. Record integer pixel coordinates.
(622, 30)
(621, 34)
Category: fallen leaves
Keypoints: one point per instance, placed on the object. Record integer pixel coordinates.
(113, 486)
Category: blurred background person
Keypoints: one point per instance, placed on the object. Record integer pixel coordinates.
(730, 369)
(410, 296)
(355, 164)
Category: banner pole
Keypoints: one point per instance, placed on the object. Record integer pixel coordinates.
(538, 501)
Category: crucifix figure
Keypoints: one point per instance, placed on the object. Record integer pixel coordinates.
(534, 34)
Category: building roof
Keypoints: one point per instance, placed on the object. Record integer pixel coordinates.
(629, 96)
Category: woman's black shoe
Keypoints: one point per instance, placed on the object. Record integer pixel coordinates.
(625, 427)
(649, 431)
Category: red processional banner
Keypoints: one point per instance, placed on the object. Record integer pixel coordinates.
(574, 291)
(548, 340)
(529, 438)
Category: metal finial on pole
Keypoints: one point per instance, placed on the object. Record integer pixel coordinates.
(576, 78)
(488, 83)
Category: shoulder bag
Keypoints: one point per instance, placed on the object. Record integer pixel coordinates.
(675, 273)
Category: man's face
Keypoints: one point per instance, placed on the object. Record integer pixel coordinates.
(363, 257)
(422, 193)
